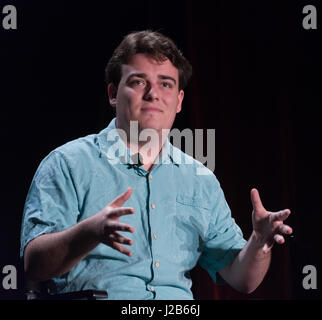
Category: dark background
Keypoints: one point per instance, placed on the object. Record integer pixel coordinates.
(256, 81)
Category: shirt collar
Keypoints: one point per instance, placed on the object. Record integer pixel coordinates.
(112, 146)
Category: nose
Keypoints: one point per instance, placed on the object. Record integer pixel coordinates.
(151, 93)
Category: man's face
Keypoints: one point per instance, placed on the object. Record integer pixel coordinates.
(148, 92)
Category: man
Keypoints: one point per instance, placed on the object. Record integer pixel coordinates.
(77, 231)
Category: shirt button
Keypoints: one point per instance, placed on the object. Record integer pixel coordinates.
(153, 206)
(152, 288)
(150, 176)
(154, 236)
(157, 264)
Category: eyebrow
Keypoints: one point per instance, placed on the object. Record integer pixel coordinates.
(144, 76)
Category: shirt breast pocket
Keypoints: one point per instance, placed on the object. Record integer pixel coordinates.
(191, 222)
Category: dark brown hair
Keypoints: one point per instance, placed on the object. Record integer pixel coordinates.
(153, 44)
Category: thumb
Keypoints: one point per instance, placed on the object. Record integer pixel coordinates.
(256, 200)
(120, 200)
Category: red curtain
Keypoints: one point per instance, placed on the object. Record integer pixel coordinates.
(241, 87)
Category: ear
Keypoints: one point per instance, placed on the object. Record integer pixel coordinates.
(112, 93)
(180, 98)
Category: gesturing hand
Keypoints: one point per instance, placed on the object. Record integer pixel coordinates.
(268, 226)
(107, 223)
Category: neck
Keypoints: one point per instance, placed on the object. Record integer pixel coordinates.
(149, 144)
(149, 150)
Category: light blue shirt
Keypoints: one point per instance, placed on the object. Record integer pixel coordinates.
(180, 218)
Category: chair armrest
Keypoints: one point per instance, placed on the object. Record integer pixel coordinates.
(76, 295)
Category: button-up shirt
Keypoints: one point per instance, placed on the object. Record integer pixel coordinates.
(181, 218)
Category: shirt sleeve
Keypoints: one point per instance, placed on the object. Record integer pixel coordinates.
(224, 238)
(51, 203)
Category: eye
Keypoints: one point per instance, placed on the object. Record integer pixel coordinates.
(138, 82)
(167, 85)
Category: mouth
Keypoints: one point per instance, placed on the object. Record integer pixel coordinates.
(151, 109)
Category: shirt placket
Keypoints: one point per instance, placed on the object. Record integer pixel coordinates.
(154, 211)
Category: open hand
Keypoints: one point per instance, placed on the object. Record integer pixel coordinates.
(107, 223)
(268, 226)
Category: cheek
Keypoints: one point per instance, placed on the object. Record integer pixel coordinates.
(128, 97)
(172, 102)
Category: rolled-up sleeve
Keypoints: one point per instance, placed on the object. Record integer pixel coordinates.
(224, 238)
(51, 203)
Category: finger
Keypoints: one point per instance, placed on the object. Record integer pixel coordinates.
(120, 248)
(256, 200)
(285, 229)
(115, 237)
(118, 212)
(118, 226)
(119, 201)
(281, 215)
(267, 247)
(279, 239)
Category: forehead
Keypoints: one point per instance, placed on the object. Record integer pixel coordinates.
(141, 63)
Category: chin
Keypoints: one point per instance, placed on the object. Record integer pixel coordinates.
(150, 123)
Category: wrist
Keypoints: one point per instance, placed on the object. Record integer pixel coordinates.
(90, 229)
(258, 240)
